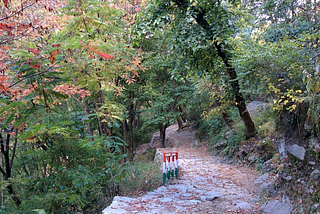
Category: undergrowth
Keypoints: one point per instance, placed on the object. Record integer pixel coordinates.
(139, 177)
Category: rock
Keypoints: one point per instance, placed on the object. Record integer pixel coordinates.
(221, 145)
(243, 205)
(312, 163)
(266, 148)
(288, 178)
(252, 159)
(195, 144)
(227, 134)
(282, 149)
(316, 148)
(276, 207)
(254, 200)
(155, 140)
(212, 195)
(171, 142)
(158, 158)
(267, 190)
(268, 166)
(315, 175)
(314, 141)
(261, 179)
(117, 205)
(297, 151)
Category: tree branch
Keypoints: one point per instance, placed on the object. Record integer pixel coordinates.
(19, 11)
(32, 75)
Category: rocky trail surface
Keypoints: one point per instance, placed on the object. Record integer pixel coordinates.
(205, 184)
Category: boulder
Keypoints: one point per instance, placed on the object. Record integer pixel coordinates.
(261, 179)
(221, 145)
(267, 190)
(268, 166)
(195, 144)
(243, 205)
(297, 151)
(276, 207)
(155, 140)
(158, 158)
(282, 149)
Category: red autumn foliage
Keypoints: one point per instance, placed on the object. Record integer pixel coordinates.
(53, 56)
(92, 49)
(36, 52)
(106, 56)
(36, 66)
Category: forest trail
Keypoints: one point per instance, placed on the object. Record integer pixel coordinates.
(205, 184)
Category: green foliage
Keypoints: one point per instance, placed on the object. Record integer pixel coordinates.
(142, 137)
(210, 128)
(266, 68)
(140, 176)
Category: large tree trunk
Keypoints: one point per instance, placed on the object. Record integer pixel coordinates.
(239, 100)
(162, 129)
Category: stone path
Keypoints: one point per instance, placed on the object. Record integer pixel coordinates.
(205, 185)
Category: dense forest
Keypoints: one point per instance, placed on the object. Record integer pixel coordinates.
(85, 82)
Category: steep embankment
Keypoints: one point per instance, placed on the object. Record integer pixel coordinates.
(205, 185)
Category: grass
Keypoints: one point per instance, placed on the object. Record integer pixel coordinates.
(140, 176)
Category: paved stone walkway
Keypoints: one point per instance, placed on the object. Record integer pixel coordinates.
(205, 185)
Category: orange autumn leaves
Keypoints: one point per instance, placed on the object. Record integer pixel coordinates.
(96, 51)
(52, 57)
(70, 89)
(4, 84)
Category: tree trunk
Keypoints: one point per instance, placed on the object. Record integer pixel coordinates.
(131, 123)
(89, 124)
(124, 148)
(162, 129)
(179, 123)
(183, 114)
(137, 109)
(6, 171)
(110, 131)
(14, 197)
(239, 100)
